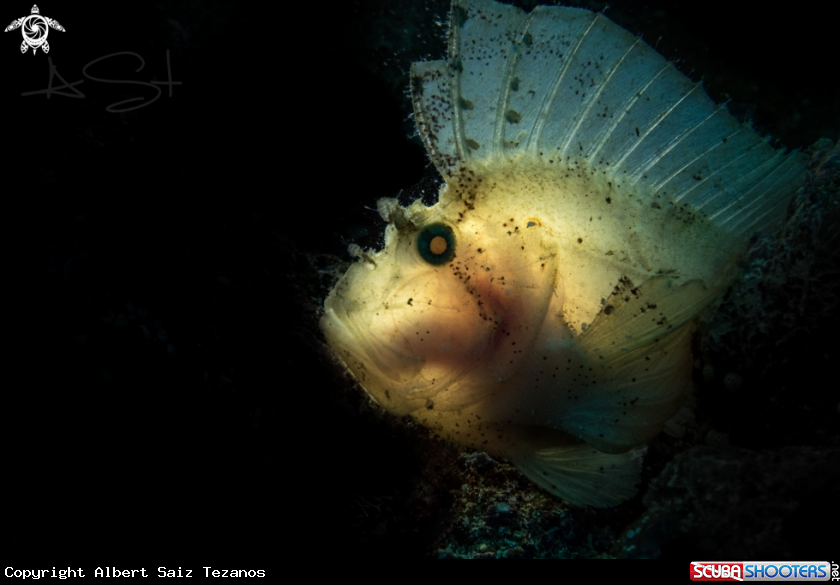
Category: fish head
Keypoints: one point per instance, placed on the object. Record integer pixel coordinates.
(448, 308)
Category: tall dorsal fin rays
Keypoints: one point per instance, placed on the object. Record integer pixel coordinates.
(483, 54)
(453, 110)
(433, 113)
(570, 86)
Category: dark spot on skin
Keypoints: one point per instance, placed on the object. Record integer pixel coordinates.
(580, 240)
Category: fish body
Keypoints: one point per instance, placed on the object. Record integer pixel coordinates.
(595, 203)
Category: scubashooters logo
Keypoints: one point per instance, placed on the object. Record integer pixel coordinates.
(763, 571)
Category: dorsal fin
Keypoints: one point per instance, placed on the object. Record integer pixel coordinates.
(571, 85)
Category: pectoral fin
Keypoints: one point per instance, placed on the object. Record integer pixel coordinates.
(641, 358)
(573, 470)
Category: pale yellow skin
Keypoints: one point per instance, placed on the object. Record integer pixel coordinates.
(513, 333)
(599, 201)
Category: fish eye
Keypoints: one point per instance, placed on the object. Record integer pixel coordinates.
(436, 244)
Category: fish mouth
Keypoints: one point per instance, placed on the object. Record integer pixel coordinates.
(396, 375)
(391, 379)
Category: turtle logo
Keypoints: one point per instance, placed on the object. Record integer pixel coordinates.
(35, 29)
